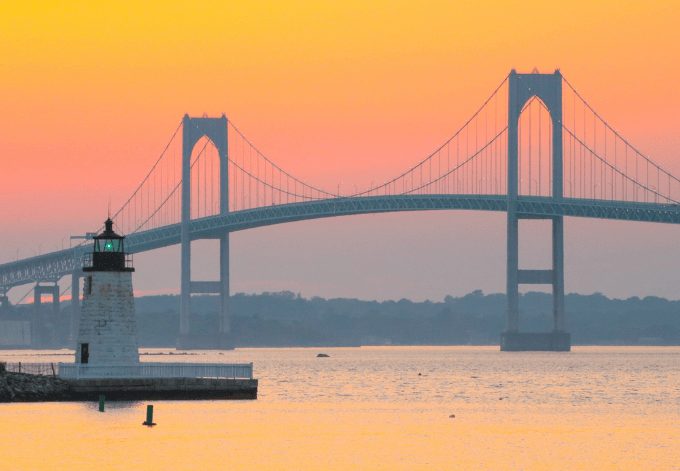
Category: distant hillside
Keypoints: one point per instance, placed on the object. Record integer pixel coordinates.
(286, 319)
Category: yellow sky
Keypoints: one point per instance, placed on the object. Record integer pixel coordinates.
(347, 92)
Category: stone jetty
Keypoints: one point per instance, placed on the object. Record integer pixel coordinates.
(22, 387)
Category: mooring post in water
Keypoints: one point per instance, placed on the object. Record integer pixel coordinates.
(102, 400)
(149, 416)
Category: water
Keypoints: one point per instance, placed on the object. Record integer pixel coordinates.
(378, 408)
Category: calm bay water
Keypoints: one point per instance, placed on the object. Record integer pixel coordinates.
(378, 408)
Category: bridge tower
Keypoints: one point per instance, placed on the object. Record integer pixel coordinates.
(522, 88)
(193, 129)
(42, 322)
(51, 289)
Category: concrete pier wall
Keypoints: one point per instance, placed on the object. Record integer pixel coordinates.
(163, 388)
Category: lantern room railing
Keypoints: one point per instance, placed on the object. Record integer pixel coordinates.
(108, 261)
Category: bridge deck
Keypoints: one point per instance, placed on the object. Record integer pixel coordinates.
(54, 265)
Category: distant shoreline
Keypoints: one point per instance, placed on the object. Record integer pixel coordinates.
(175, 352)
(287, 319)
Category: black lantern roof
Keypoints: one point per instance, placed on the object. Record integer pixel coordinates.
(108, 231)
(108, 252)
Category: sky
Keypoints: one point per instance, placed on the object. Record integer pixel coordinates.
(338, 93)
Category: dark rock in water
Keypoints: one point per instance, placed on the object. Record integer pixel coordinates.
(322, 355)
(21, 387)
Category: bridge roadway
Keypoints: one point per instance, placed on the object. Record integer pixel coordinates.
(54, 265)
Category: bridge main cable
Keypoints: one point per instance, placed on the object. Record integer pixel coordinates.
(438, 149)
(618, 134)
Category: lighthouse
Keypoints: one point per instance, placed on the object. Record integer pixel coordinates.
(107, 357)
(107, 333)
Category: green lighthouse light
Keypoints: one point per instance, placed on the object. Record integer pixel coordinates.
(108, 245)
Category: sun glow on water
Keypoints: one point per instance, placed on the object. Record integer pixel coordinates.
(381, 408)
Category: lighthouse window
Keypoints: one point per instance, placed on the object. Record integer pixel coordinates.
(108, 245)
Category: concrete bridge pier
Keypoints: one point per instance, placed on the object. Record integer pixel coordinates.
(219, 339)
(5, 305)
(42, 323)
(224, 319)
(51, 289)
(75, 306)
(557, 340)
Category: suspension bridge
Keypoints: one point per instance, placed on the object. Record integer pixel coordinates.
(535, 149)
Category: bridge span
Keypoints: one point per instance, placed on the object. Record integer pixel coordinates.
(527, 151)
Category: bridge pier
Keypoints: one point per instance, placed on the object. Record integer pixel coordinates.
(225, 321)
(75, 307)
(43, 324)
(193, 130)
(5, 305)
(512, 284)
(558, 274)
(52, 290)
(521, 89)
(558, 339)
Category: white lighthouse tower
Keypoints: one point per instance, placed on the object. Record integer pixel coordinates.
(107, 334)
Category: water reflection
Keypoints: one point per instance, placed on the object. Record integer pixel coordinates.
(378, 408)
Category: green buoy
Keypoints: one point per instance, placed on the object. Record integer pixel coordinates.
(149, 416)
(102, 400)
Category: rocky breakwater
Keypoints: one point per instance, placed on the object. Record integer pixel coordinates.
(22, 387)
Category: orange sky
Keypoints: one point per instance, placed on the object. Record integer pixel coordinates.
(348, 92)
